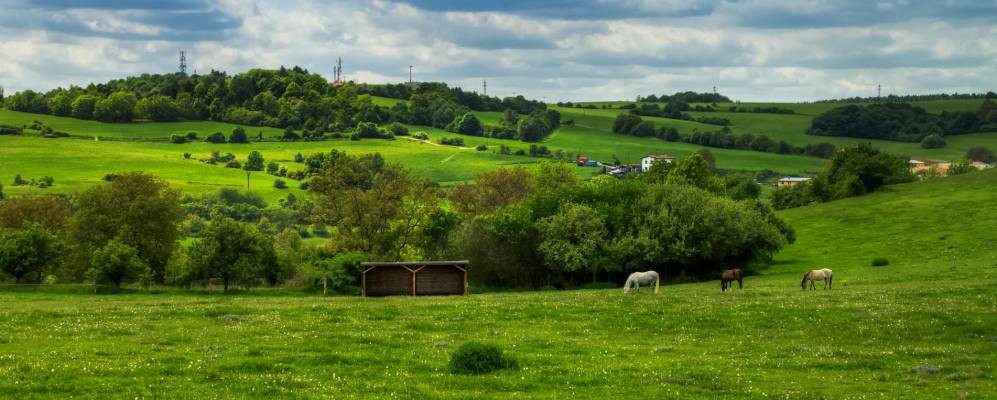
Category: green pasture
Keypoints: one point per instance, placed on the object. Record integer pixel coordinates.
(130, 130)
(920, 327)
(77, 163)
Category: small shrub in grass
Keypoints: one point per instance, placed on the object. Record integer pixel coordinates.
(177, 139)
(477, 358)
(880, 262)
(482, 147)
(279, 184)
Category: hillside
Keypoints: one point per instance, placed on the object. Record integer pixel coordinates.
(78, 163)
(933, 230)
(920, 327)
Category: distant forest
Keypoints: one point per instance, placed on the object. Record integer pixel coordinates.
(913, 97)
(290, 98)
(902, 122)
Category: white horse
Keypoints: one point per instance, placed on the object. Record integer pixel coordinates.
(816, 275)
(638, 279)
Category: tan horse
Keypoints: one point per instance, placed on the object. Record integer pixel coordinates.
(816, 275)
(728, 277)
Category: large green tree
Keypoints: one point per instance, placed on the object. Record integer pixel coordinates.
(572, 239)
(118, 107)
(117, 262)
(28, 252)
(234, 252)
(254, 162)
(136, 209)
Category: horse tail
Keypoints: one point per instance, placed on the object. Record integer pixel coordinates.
(657, 284)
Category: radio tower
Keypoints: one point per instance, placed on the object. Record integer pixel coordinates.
(183, 62)
(1, 92)
(409, 74)
(484, 87)
(338, 72)
(879, 93)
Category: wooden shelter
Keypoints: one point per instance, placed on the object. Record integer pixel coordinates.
(415, 278)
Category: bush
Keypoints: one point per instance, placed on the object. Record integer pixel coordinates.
(279, 184)
(880, 262)
(9, 130)
(397, 129)
(216, 137)
(932, 142)
(421, 136)
(191, 136)
(454, 141)
(481, 147)
(980, 153)
(233, 164)
(186, 156)
(476, 358)
(46, 181)
(177, 139)
(238, 136)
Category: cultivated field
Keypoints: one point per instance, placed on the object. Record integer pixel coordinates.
(920, 327)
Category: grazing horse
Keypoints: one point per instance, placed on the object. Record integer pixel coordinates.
(816, 275)
(729, 276)
(638, 279)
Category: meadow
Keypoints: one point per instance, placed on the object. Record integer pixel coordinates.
(920, 327)
(77, 163)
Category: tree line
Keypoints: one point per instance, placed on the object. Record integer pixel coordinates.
(902, 122)
(284, 98)
(520, 227)
(632, 124)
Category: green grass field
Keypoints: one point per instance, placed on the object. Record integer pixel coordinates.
(76, 164)
(921, 327)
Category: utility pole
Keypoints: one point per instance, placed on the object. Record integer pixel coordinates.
(183, 62)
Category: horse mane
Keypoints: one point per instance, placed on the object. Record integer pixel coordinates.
(805, 276)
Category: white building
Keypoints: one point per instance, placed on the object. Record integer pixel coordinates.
(791, 181)
(648, 161)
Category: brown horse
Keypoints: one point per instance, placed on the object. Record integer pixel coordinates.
(729, 276)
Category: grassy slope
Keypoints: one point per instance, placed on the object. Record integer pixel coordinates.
(75, 163)
(135, 130)
(792, 128)
(933, 305)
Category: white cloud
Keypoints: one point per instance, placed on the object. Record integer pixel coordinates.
(584, 58)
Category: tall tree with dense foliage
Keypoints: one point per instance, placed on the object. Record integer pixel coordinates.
(136, 209)
(117, 262)
(254, 162)
(28, 252)
(51, 212)
(573, 239)
(118, 107)
(233, 252)
(694, 170)
(376, 207)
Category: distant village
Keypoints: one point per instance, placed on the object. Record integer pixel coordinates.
(920, 168)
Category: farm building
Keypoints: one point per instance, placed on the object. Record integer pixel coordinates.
(647, 161)
(790, 181)
(415, 278)
(928, 167)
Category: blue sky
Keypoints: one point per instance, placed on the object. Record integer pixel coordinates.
(763, 50)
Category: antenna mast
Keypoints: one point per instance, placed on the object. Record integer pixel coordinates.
(338, 71)
(183, 62)
(409, 74)
(484, 87)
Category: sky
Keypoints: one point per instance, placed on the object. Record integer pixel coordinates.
(560, 50)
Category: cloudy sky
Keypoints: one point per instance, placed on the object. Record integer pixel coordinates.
(559, 50)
